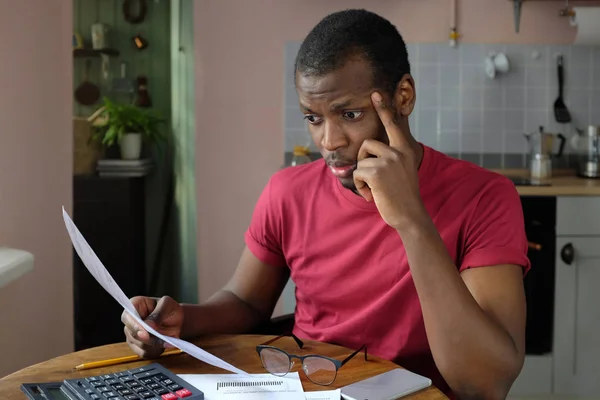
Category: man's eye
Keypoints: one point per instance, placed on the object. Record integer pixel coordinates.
(352, 114)
(312, 119)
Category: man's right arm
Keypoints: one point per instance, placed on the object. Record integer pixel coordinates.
(246, 301)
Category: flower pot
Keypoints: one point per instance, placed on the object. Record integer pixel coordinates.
(131, 146)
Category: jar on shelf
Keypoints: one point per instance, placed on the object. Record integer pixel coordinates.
(300, 156)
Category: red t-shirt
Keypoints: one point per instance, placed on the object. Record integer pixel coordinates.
(353, 282)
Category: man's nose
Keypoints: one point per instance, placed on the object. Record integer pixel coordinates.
(333, 137)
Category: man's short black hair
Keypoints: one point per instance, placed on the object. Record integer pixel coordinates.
(345, 34)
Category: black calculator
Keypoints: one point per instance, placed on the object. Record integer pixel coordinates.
(151, 382)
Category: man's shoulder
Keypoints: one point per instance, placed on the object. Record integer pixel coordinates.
(291, 180)
(466, 173)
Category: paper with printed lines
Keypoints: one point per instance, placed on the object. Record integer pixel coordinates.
(99, 272)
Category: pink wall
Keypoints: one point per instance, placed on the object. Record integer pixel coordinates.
(35, 178)
(239, 86)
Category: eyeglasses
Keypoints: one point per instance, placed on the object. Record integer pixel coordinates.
(318, 369)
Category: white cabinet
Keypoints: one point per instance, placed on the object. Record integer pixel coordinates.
(577, 300)
(577, 316)
(572, 368)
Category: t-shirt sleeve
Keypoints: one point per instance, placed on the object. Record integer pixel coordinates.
(263, 236)
(495, 233)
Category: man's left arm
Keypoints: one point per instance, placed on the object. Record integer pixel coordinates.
(475, 313)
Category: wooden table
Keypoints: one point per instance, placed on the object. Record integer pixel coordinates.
(238, 350)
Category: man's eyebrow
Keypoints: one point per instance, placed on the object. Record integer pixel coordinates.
(340, 105)
(306, 109)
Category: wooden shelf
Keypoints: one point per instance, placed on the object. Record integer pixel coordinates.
(94, 53)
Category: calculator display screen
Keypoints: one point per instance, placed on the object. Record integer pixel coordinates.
(57, 394)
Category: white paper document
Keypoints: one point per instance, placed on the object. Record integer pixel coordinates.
(99, 272)
(252, 387)
(324, 395)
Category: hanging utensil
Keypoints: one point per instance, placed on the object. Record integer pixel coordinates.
(87, 93)
(517, 5)
(561, 112)
(143, 97)
(135, 16)
(139, 42)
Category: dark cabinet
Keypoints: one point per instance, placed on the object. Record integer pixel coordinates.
(109, 212)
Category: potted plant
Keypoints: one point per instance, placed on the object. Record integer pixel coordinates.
(128, 126)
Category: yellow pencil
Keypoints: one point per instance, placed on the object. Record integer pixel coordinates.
(121, 360)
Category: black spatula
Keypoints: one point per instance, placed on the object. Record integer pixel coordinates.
(561, 113)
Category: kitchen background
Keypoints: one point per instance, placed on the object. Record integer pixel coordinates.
(462, 112)
(143, 226)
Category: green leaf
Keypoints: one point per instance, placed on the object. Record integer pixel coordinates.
(128, 118)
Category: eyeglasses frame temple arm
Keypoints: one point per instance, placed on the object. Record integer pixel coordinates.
(299, 342)
(364, 346)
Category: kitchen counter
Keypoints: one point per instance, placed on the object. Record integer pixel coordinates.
(563, 183)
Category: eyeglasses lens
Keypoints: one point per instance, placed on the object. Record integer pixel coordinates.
(275, 362)
(319, 370)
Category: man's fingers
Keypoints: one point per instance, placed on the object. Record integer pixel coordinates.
(361, 177)
(165, 308)
(143, 305)
(135, 330)
(151, 338)
(129, 322)
(373, 148)
(140, 348)
(396, 137)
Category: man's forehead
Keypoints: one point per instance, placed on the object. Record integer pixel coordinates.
(353, 76)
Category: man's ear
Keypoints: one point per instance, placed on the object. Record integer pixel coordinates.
(405, 96)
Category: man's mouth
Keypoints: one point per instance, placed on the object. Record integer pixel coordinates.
(342, 170)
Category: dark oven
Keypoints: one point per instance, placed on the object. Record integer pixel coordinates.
(540, 226)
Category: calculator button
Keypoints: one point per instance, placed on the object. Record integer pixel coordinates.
(110, 394)
(102, 389)
(89, 391)
(138, 389)
(142, 375)
(132, 397)
(107, 376)
(147, 381)
(111, 381)
(160, 377)
(141, 369)
(183, 393)
(118, 386)
(126, 379)
(94, 397)
(119, 374)
(97, 383)
(92, 379)
(174, 387)
(167, 382)
(169, 396)
(146, 394)
(161, 391)
(154, 386)
(125, 392)
(134, 384)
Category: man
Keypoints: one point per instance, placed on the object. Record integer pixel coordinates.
(390, 243)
